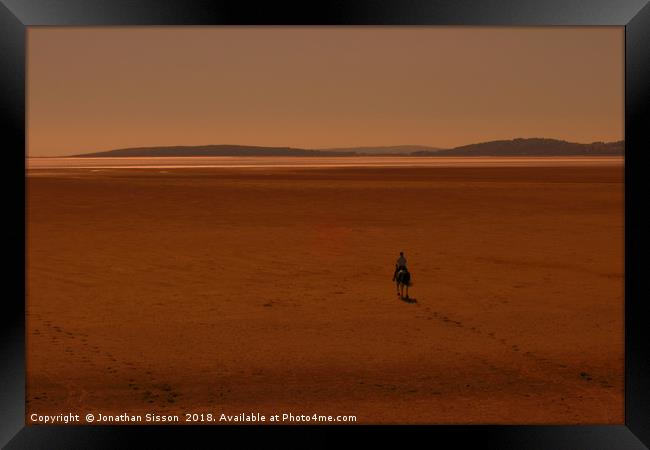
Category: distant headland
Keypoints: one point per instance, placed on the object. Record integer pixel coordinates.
(512, 147)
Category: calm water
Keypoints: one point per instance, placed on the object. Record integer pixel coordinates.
(348, 161)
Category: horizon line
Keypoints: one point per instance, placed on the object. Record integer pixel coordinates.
(330, 148)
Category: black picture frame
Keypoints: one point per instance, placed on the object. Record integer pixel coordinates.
(17, 15)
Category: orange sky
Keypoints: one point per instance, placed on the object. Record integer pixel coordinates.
(92, 89)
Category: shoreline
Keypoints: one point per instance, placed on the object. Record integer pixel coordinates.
(318, 162)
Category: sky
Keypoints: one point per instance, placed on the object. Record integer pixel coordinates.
(101, 88)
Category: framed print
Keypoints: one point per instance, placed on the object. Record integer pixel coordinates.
(250, 220)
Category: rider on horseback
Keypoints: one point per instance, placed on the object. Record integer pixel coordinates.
(401, 264)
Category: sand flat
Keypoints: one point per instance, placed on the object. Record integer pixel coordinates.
(269, 290)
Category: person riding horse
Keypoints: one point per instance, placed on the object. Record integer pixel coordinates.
(402, 277)
(401, 264)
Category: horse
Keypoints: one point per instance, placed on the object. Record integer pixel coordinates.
(403, 279)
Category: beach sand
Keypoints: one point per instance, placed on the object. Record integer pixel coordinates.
(268, 290)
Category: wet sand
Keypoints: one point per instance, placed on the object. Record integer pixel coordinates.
(269, 290)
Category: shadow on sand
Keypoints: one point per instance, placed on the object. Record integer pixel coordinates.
(408, 299)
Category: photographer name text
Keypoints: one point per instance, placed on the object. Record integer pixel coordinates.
(153, 417)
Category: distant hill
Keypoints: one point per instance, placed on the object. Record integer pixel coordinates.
(514, 147)
(531, 147)
(212, 150)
